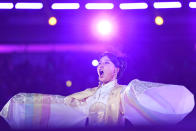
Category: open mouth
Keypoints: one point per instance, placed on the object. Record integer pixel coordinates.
(101, 73)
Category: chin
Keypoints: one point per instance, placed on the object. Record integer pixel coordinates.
(102, 80)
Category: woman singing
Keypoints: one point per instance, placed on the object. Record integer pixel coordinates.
(109, 104)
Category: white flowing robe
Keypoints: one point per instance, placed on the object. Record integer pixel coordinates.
(143, 103)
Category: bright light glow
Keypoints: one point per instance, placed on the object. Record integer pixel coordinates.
(160, 5)
(6, 5)
(192, 4)
(52, 21)
(99, 6)
(95, 63)
(104, 27)
(29, 6)
(68, 83)
(65, 6)
(159, 20)
(125, 6)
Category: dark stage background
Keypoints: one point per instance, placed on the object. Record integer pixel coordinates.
(165, 54)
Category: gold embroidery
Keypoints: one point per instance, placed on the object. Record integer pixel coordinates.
(97, 113)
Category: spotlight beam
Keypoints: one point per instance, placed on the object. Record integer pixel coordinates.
(104, 27)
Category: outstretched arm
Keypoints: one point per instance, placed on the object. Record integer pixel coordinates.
(147, 103)
(30, 110)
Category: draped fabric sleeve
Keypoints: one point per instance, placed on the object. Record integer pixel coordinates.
(148, 103)
(31, 110)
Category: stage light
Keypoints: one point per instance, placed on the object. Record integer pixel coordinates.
(99, 6)
(68, 83)
(192, 4)
(65, 6)
(159, 20)
(52, 21)
(160, 5)
(95, 63)
(126, 6)
(28, 5)
(104, 27)
(6, 5)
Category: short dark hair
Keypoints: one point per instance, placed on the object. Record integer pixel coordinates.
(119, 62)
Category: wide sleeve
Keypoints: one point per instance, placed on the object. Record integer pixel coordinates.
(30, 110)
(148, 103)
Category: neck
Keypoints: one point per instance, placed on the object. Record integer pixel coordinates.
(108, 81)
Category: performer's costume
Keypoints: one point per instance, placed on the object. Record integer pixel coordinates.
(142, 103)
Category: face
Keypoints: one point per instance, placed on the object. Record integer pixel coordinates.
(106, 70)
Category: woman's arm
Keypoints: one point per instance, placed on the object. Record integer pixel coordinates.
(31, 110)
(79, 97)
(154, 103)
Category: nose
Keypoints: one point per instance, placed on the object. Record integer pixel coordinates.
(100, 66)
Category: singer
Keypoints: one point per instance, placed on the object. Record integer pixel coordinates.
(109, 104)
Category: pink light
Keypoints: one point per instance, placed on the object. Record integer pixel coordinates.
(33, 48)
(104, 27)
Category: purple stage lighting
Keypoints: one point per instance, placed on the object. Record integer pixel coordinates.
(51, 48)
(6, 5)
(65, 6)
(192, 4)
(161, 5)
(28, 5)
(126, 6)
(104, 27)
(99, 6)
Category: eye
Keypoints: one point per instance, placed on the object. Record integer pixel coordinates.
(106, 62)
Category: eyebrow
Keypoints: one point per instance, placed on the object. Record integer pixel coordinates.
(105, 60)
